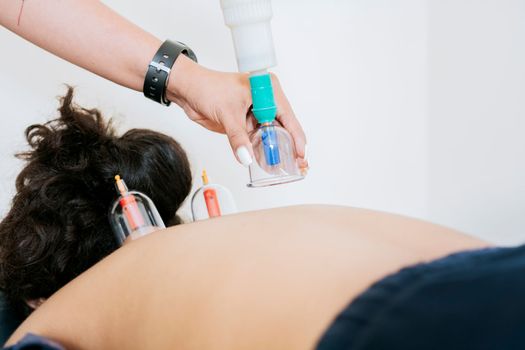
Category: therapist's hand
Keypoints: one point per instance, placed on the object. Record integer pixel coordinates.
(221, 102)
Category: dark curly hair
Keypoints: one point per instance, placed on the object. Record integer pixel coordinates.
(58, 224)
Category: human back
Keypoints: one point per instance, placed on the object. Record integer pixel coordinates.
(267, 279)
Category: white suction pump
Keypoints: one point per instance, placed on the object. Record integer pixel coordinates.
(133, 214)
(276, 159)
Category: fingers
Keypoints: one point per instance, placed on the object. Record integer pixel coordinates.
(287, 118)
(239, 140)
(237, 128)
(251, 122)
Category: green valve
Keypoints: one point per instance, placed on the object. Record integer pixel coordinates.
(264, 108)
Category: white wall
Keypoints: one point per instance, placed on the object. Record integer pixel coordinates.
(477, 117)
(361, 77)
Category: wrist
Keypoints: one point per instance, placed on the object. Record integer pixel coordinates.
(183, 74)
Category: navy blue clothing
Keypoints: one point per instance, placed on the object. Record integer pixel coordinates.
(469, 300)
(34, 342)
(10, 319)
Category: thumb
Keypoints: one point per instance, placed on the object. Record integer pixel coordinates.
(240, 142)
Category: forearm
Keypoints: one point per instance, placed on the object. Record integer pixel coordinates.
(86, 33)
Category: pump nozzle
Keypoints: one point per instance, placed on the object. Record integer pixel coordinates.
(210, 197)
(121, 185)
(129, 204)
(204, 178)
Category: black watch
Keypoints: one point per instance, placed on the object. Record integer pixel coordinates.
(159, 69)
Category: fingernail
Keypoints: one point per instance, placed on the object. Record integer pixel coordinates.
(244, 156)
(304, 171)
(305, 152)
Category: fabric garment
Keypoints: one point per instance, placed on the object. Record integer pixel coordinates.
(34, 342)
(469, 300)
(10, 318)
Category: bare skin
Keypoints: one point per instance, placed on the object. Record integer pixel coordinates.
(271, 279)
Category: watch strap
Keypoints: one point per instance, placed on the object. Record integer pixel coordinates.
(159, 69)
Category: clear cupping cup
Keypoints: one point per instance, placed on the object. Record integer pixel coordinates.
(275, 157)
(134, 215)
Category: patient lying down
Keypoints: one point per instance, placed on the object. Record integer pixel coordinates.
(58, 223)
(271, 279)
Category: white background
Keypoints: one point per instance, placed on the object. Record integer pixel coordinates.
(410, 106)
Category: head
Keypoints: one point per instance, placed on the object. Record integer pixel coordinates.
(58, 224)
